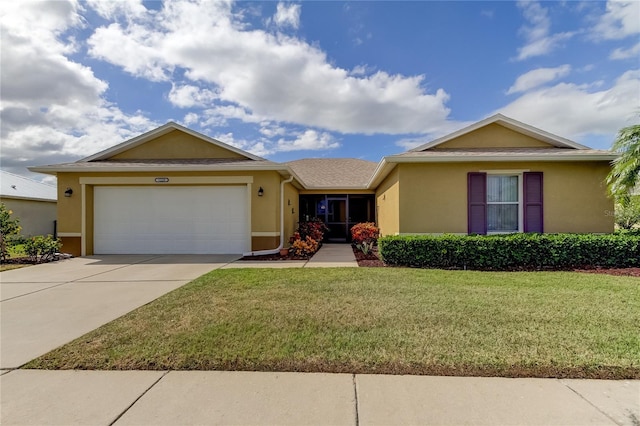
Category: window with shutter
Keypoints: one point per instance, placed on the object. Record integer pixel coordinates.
(477, 203)
(533, 208)
(504, 203)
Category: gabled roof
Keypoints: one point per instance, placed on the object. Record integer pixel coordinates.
(561, 149)
(333, 173)
(20, 187)
(163, 130)
(509, 123)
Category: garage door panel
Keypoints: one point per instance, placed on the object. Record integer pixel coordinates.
(170, 220)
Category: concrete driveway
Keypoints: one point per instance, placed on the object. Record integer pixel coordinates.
(45, 306)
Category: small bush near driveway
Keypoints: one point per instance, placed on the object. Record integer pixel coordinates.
(377, 320)
(512, 252)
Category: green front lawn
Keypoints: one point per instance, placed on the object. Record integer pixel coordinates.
(377, 320)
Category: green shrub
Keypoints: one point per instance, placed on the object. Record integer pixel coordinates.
(9, 228)
(42, 249)
(628, 212)
(513, 251)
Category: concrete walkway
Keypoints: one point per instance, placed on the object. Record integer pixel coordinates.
(333, 255)
(329, 256)
(45, 306)
(217, 397)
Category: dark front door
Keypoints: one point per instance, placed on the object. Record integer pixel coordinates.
(336, 219)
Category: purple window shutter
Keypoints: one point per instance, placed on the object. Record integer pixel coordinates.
(477, 203)
(533, 206)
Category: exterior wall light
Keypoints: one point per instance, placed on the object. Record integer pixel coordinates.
(260, 192)
(68, 192)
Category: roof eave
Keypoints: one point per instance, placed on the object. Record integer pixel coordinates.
(157, 168)
(484, 158)
(382, 170)
(17, 197)
(337, 188)
(509, 123)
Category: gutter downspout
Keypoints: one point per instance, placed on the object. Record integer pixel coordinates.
(275, 250)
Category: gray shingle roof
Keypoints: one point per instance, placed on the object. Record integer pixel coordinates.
(14, 186)
(335, 173)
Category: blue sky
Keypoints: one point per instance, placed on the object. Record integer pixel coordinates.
(289, 80)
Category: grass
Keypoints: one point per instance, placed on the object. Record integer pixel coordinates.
(14, 250)
(8, 267)
(375, 320)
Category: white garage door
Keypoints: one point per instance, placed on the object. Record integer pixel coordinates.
(170, 220)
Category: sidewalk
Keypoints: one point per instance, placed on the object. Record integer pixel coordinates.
(329, 256)
(218, 397)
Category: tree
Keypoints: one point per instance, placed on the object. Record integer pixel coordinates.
(8, 226)
(625, 173)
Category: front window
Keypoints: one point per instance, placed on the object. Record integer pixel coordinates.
(503, 203)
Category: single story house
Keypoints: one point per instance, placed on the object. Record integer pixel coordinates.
(173, 190)
(32, 202)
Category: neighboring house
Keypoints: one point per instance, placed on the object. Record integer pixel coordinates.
(33, 202)
(173, 190)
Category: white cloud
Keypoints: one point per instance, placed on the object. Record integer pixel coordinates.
(537, 32)
(219, 114)
(573, 111)
(271, 131)
(538, 77)
(188, 96)
(255, 147)
(308, 140)
(132, 48)
(287, 15)
(111, 9)
(191, 118)
(271, 76)
(621, 53)
(621, 20)
(53, 109)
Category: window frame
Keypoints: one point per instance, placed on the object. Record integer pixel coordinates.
(519, 174)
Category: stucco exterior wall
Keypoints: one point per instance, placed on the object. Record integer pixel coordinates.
(494, 136)
(265, 210)
(36, 217)
(433, 196)
(388, 204)
(292, 208)
(173, 145)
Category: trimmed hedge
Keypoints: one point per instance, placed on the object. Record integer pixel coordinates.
(513, 251)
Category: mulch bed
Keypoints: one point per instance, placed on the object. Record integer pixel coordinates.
(627, 272)
(370, 260)
(273, 257)
(27, 260)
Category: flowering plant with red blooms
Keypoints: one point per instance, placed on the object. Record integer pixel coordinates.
(314, 228)
(305, 248)
(365, 235)
(307, 238)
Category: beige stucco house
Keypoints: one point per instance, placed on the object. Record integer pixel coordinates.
(173, 190)
(32, 202)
